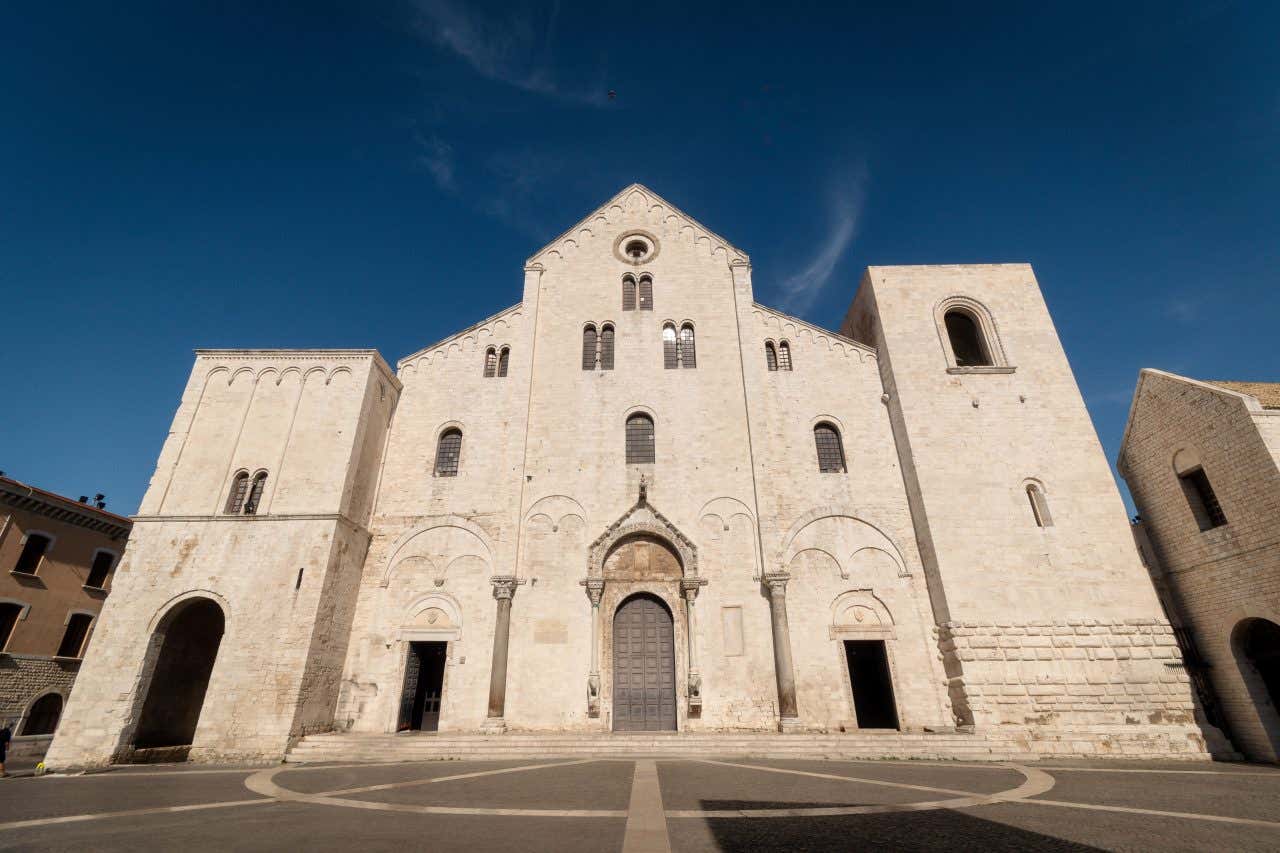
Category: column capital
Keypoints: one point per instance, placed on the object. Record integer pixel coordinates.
(504, 586)
(595, 589)
(689, 587)
(777, 583)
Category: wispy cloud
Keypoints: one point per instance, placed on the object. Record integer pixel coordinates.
(1184, 309)
(848, 196)
(437, 157)
(515, 50)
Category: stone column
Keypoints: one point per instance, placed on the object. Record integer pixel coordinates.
(504, 588)
(595, 588)
(787, 710)
(690, 587)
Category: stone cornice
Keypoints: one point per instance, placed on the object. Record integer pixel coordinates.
(23, 497)
(475, 327)
(815, 329)
(303, 355)
(249, 519)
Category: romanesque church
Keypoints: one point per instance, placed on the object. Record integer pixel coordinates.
(640, 500)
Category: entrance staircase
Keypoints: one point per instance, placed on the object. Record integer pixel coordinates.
(418, 746)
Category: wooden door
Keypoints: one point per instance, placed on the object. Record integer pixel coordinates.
(644, 667)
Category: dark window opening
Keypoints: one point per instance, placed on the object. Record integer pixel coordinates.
(504, 360)
(298, 583)
(636, 250)
(640, 447)
(1202, 500)
(646, 293)
(770, 356)
(42, 719)
(966, 340)
(74, 636)
(490, 362)
(9, 615)
(32, 551)
(872, 685)
(448, 452)
(101, 567)
(830, 450)
(784, 356)
(423, 687)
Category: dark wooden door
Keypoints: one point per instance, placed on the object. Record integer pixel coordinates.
(644, 667)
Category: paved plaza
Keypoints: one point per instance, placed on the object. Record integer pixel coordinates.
(650, 805)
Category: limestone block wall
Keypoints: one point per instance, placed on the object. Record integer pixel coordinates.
(970, 440)
(1221, 577)
(25, 678)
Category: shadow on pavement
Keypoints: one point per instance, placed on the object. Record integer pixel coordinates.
(941, 829)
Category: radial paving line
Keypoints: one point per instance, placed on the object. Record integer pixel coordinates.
(78, 818)
(1216, 818)
(646, 824)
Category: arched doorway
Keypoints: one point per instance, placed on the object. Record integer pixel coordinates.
(644, 666)
(1259, 644)
(42, 719)
(191, 633)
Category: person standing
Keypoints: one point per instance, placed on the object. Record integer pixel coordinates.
(5, 736)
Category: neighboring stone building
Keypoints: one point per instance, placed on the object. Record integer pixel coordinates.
(57, 557)
(639, 499)
(1201, 459)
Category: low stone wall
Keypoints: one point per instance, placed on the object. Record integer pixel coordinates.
(23, 678)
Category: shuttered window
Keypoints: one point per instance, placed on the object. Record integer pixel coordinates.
(589, 348)
(490, 362)
(239, 489)
(606, 348)
(784, 356)
(830, 450)
(670, 356)
(646, 293)
(770, 356)
(639, 439)
(254, 503)
(503, 360)
(628, 293)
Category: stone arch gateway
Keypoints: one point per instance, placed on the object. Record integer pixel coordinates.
(188, 638)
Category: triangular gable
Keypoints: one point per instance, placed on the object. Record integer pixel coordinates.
(637, 202)
(642, 518)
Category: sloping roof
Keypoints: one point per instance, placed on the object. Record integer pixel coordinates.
(638, 195)
(1266, 393)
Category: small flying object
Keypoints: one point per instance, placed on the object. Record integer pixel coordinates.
(613, 96)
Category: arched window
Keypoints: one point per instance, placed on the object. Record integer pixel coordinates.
(589, 348)
(448, 452)
(490, 362)
(1039, 506)
(628, 293)
(639, 439)
(33, 551)
(770, 356)
(830, 451)
(73, 637)
(670, 354)
(967, 345)
(42, 719)
(504, 359)
(235, 498)
(606, 347)
(784, 356)
(10, 613)
(688, 352)
(254, 503)
(646, 293)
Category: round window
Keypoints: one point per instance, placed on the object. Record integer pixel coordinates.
(636, 248)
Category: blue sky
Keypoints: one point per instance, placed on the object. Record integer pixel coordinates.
(182, 175)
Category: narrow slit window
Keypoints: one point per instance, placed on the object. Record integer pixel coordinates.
(100, 569)
(448, 452)
(830, 450)
(33, 550)
(628, 293)
(640, 447)
(1202, 499)
(967, 345)
(1039, 506)
(239, 489)
(73, 637)
(589, 348)
(670, 356)
(504, 360)
(770, 356)
(688, 350)
(490, 362)
(606, 348)
(254, 503)
(784, 356)
(646, 293)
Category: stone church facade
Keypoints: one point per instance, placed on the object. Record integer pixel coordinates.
(639, 499)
